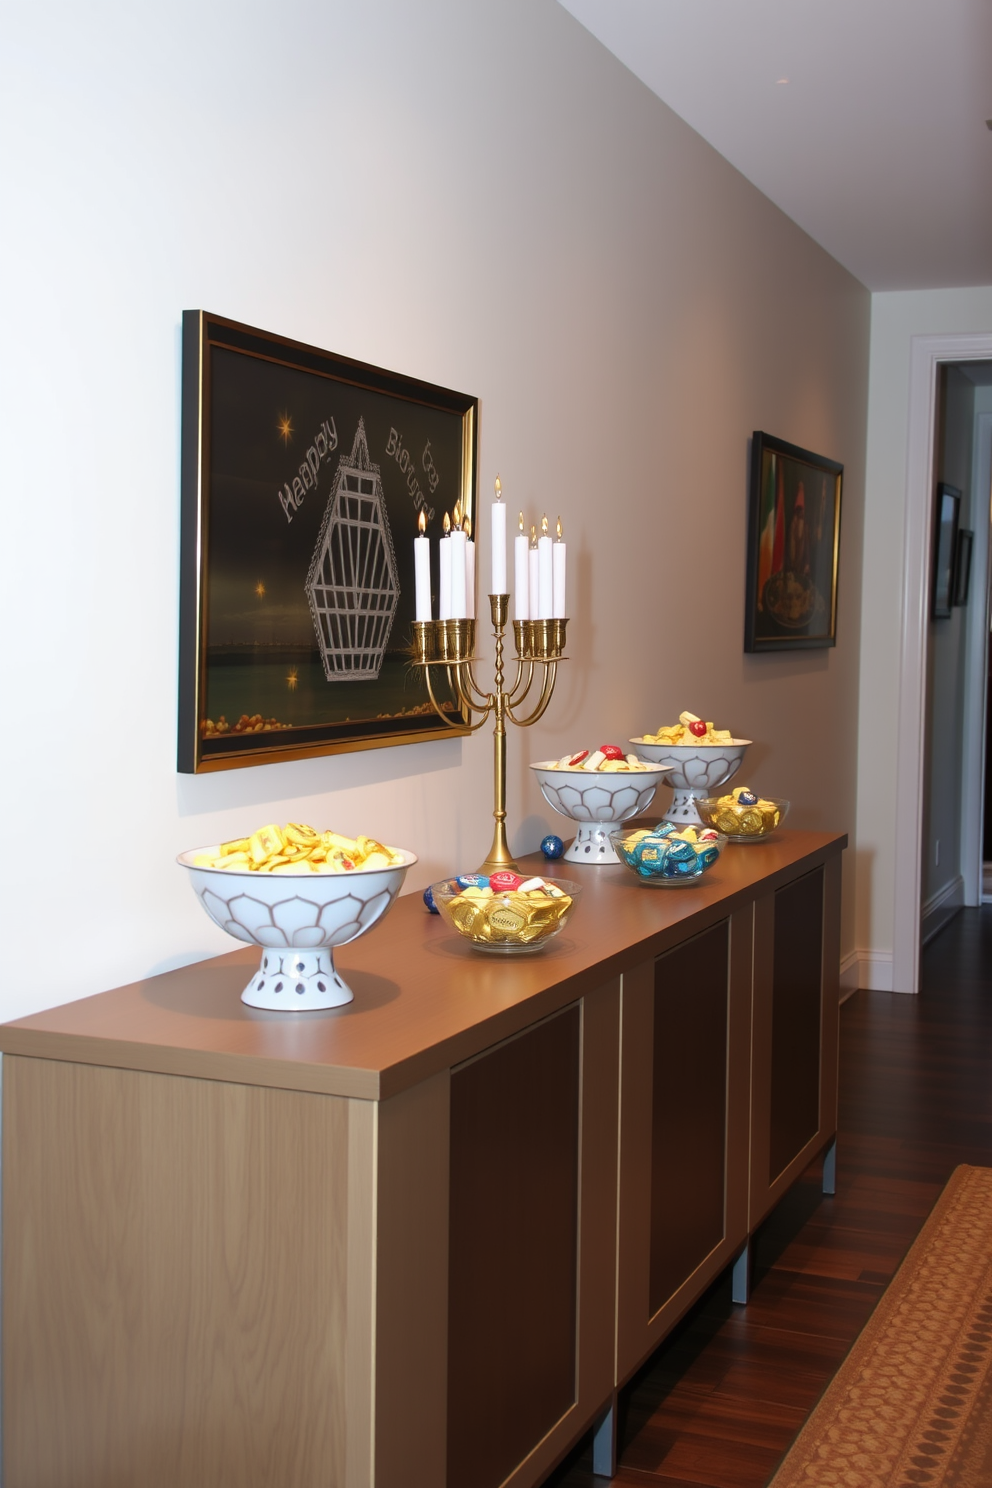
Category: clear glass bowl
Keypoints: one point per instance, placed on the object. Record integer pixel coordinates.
(508, 923)
(750, 823)
(663, 862)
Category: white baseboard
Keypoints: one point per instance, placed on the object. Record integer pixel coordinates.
(951, 895)
(871, 970)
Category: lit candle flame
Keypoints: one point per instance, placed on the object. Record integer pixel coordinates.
(422, 523)
(467, 527)
(456, 515)
(544, 526)
(533, 537)
(559, 529)
(498, 489)
(447, 524)
(521, 522)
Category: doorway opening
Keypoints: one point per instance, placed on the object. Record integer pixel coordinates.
(956, 839)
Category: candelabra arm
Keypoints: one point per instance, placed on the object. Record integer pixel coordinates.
(471, 695)
(459, 723)
(547, 688)
(521, 682)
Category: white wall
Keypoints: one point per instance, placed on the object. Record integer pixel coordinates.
(895, 319)
(535, 228)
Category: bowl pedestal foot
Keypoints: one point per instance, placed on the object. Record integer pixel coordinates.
(592, 843)
(297, 981)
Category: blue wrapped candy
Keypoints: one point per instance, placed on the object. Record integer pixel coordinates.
(681, 852)
(429, 900)
(552, 846)
(663, 829)
(747, 798)
(473, 881)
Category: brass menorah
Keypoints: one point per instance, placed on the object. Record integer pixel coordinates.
(451, 644)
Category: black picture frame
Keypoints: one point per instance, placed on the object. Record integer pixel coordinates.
(303, 476)
(793, 547)
(947, 507)
(962, 565)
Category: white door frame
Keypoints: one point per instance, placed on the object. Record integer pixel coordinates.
(926, 355)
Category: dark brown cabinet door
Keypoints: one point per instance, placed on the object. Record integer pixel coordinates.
(513, 1249)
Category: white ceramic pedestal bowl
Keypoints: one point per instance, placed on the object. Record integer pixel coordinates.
(696, 770)
(297, 919)
(597, 803)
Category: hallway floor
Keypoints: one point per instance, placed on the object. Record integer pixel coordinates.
(719, 1404)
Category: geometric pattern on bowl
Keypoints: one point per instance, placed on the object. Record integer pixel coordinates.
(306, 913)
(697, 770)
(598, 803)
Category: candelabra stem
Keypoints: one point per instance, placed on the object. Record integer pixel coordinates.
(499, 853)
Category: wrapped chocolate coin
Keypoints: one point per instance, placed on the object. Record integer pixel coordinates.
(515, 919)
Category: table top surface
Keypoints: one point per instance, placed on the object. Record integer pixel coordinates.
(424, 998)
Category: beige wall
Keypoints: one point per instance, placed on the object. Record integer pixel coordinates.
(896, 318)
(528, 224)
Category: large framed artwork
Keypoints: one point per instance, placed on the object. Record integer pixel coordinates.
(793, 547)
(304, 475)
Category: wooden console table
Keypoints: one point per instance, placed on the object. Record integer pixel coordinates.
(421, 1240)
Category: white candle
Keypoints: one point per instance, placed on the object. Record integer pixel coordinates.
(558, 576)
(545, 573)
(499, 541)
(422, 570)
(521, 578)
(444, 598)
(459, 543)
(532, 575)
(469, 571)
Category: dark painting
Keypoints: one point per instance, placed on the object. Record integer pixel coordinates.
(793, 543)
(304, 475)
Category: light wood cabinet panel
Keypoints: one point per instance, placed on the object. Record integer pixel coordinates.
(175, 1264)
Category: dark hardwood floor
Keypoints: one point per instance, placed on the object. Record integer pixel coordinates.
(719, 1404)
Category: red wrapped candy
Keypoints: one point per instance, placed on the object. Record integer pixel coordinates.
(578, 758)
(612, 751)
(503, 880)
(698, 728)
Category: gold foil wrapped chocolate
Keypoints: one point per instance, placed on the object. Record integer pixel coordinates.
(743, 814)
(507, 918)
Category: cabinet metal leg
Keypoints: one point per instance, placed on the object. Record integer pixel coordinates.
(740, 1290)
(830, 1168)
(604, 1443)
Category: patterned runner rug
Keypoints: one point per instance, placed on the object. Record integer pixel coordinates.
(911, 1406)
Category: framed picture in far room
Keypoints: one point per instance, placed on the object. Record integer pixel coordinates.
(793, 547)
(962, 565)
(304, 474)
(945, 541)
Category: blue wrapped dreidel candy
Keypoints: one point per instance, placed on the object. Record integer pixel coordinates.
(429, 900)
(667, 856)
(552, 846)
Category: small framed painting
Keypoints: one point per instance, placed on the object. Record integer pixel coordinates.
(962, 565)
(793, 547)
(945, 543)
(304, 476)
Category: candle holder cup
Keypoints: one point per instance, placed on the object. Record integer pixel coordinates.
(450, 644)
